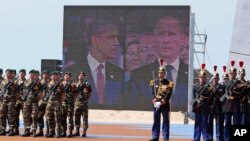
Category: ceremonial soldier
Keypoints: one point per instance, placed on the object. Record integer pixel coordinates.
(161, 90)
(216, 108)
(8, 101)
(19, 103)
(83, 93)
(68, 104)
(42, 104)
(31, 90)
(243, 94)
(225, 75)
(231, 105)
(201, 94)
(53, 98)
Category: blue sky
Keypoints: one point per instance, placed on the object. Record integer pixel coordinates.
(33, 30)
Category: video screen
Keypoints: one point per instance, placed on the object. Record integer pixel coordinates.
(119, 48)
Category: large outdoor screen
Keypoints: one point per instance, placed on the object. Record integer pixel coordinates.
(119, 48)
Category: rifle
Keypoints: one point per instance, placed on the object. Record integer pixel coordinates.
(24, 96)
(6, 87)
(52, 89)
(213, 93)
(225, 96)
(200, 92)
(68, 84)
(154, 83)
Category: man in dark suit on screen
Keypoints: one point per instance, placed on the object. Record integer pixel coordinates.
(105, 77)
(167, 32)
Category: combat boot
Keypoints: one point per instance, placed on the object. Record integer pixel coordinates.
(11, 132)
(70, 133)
(40, 133)
(64, 133)
(26, 133)
(2, 132)
(34, 133)
(58, 135)
(51, 134)
(84, 133)
(16, 131)
(77, 133)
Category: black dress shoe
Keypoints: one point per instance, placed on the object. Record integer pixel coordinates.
(84, 135)
(63, 135)
(11, 133)
(50, 135)
(76, 134)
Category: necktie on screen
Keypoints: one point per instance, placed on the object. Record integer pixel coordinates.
(100, 84)
(169, 69)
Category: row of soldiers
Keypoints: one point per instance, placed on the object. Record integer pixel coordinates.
(58, 99)
(227, 102)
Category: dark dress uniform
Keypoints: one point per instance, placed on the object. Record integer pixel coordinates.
(231, 107)
(216, 113)
(163, 89)
(243, 103)
(201, 111)
(83, 93)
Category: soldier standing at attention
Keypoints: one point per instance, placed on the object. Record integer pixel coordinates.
(162, 90)
(19, 103)
(201, 95)
(53, 98)
(42, 104)
(8, 91)
(231, 105)
(68, 104)
(216, 108)
(31, 89)
(83, 93)
(243, 95)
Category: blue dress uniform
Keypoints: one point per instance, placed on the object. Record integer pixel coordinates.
(162, 91)
(231, 107)
(201, 94)
(216, 108)
(216, 112)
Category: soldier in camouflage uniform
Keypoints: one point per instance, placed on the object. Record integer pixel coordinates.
(68, 104)
(81, 104)
(31, 89)
(19, 103)
(53, 98)
(8, 101)
(42, 104)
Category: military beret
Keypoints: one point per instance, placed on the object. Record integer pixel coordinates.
(81, 72)
(9, 70)
(67, 73)
(55, 72)
(32, 71)
(22, 70)
(13, 71)
(37, 72)
(45, 71)
(1, 70)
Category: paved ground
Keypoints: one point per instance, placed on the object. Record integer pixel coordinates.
(117, 132)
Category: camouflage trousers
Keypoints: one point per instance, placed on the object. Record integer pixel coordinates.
(30, 111)
(41, 113)
(7, 112)
(53, 116)
(19, 107)
(67, 111)
(81, 110)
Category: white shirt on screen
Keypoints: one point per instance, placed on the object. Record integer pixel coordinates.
(93, 64)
